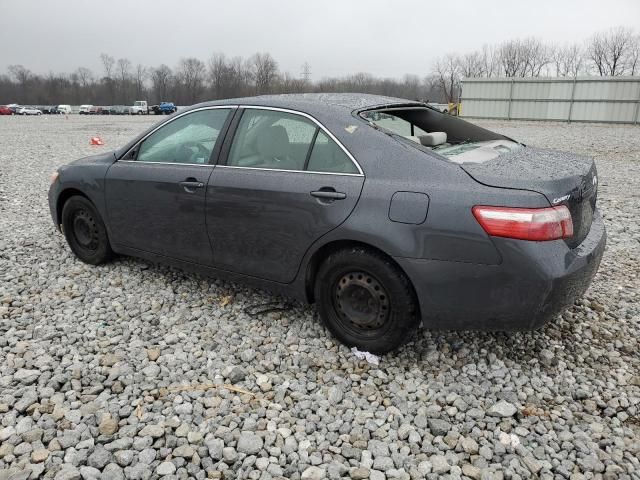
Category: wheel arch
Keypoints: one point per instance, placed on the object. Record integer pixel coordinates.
(328, 248)
(65, 195)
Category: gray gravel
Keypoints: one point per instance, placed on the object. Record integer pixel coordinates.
(137, 371)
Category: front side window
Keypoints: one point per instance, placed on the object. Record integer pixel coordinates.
(189, 139)
(285, 141)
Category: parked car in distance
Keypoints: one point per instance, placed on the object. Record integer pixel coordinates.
(165, 108)
(85, 109)
(4, 110)
(383, 224)
(65, 109)
(28, 111)
(140, 107)
(119, 110)
(105, 110)
(49, 109)
(14, 108)
(95, 110)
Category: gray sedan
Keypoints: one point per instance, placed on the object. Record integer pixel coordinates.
(384, 212)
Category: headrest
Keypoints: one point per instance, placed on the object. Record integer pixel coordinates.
(432, 139)
(273, 142)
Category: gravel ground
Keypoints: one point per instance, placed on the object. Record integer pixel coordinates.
(132, 370)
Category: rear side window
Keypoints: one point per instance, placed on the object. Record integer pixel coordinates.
(277, 140)
(271, 139)
(327, 156)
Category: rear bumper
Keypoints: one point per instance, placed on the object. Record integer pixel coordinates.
(534, 281)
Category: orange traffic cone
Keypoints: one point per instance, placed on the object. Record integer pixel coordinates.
(96, 141)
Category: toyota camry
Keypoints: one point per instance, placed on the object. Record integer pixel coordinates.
(386, 213)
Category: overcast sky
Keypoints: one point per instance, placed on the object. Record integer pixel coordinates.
(336, 37)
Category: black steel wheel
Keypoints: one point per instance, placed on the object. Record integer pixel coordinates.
(85, 231)
(365, 300)
(361, 301)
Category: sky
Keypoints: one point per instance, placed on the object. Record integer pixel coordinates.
(387, 38)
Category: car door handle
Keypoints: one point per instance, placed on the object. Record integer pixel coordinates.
(190, 185)
(328, 194)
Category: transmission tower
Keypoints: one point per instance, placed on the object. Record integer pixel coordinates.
(306, 72)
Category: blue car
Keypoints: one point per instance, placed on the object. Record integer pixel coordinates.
(166, 108)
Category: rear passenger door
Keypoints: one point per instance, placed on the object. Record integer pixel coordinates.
(283, 182)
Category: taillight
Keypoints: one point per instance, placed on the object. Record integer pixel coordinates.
(536, 224)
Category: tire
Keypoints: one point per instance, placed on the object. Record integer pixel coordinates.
(85, 231)
(365, 300)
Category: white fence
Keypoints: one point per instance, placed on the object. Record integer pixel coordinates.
(582, 99)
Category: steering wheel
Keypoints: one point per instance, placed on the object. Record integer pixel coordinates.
(185, 153)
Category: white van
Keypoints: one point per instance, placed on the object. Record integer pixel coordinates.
(66, 109)
(84, 109)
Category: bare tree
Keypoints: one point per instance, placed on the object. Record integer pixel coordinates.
(141, 74)
(20, 73)
(85, 76)
(510, 55)
(411, 87)
(192, 73)
(633, 58)
(23, 76)
(123, 66)
(534, 56)
(609, 51)
(218, 73)
(568, 60)
(447, 70)
(161, 79)
(264, 70)
(107, 63)
(490, 61)
(292, 84)
(471, 65)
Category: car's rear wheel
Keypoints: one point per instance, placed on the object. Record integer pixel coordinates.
(85, 231)
(365, 300)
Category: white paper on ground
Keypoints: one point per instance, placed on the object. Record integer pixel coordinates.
(369, 357)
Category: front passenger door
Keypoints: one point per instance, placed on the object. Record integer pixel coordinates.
(155, 194)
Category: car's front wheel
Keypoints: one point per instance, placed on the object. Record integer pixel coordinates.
(365, 300)
(85, 231)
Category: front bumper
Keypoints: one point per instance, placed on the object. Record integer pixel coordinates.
(54, 191)
(534, 281)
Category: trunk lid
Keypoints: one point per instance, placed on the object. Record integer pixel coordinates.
(563, 178)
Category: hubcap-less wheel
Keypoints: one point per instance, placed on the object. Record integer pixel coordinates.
(85, 230)
(361, 302)
(365, 300)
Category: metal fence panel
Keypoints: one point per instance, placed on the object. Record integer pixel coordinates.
(582, 99)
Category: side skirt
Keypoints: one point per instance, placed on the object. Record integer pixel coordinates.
(290, 290)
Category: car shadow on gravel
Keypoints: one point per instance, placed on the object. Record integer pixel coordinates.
(564, 333)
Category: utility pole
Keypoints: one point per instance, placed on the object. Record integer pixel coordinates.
(306, 72)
